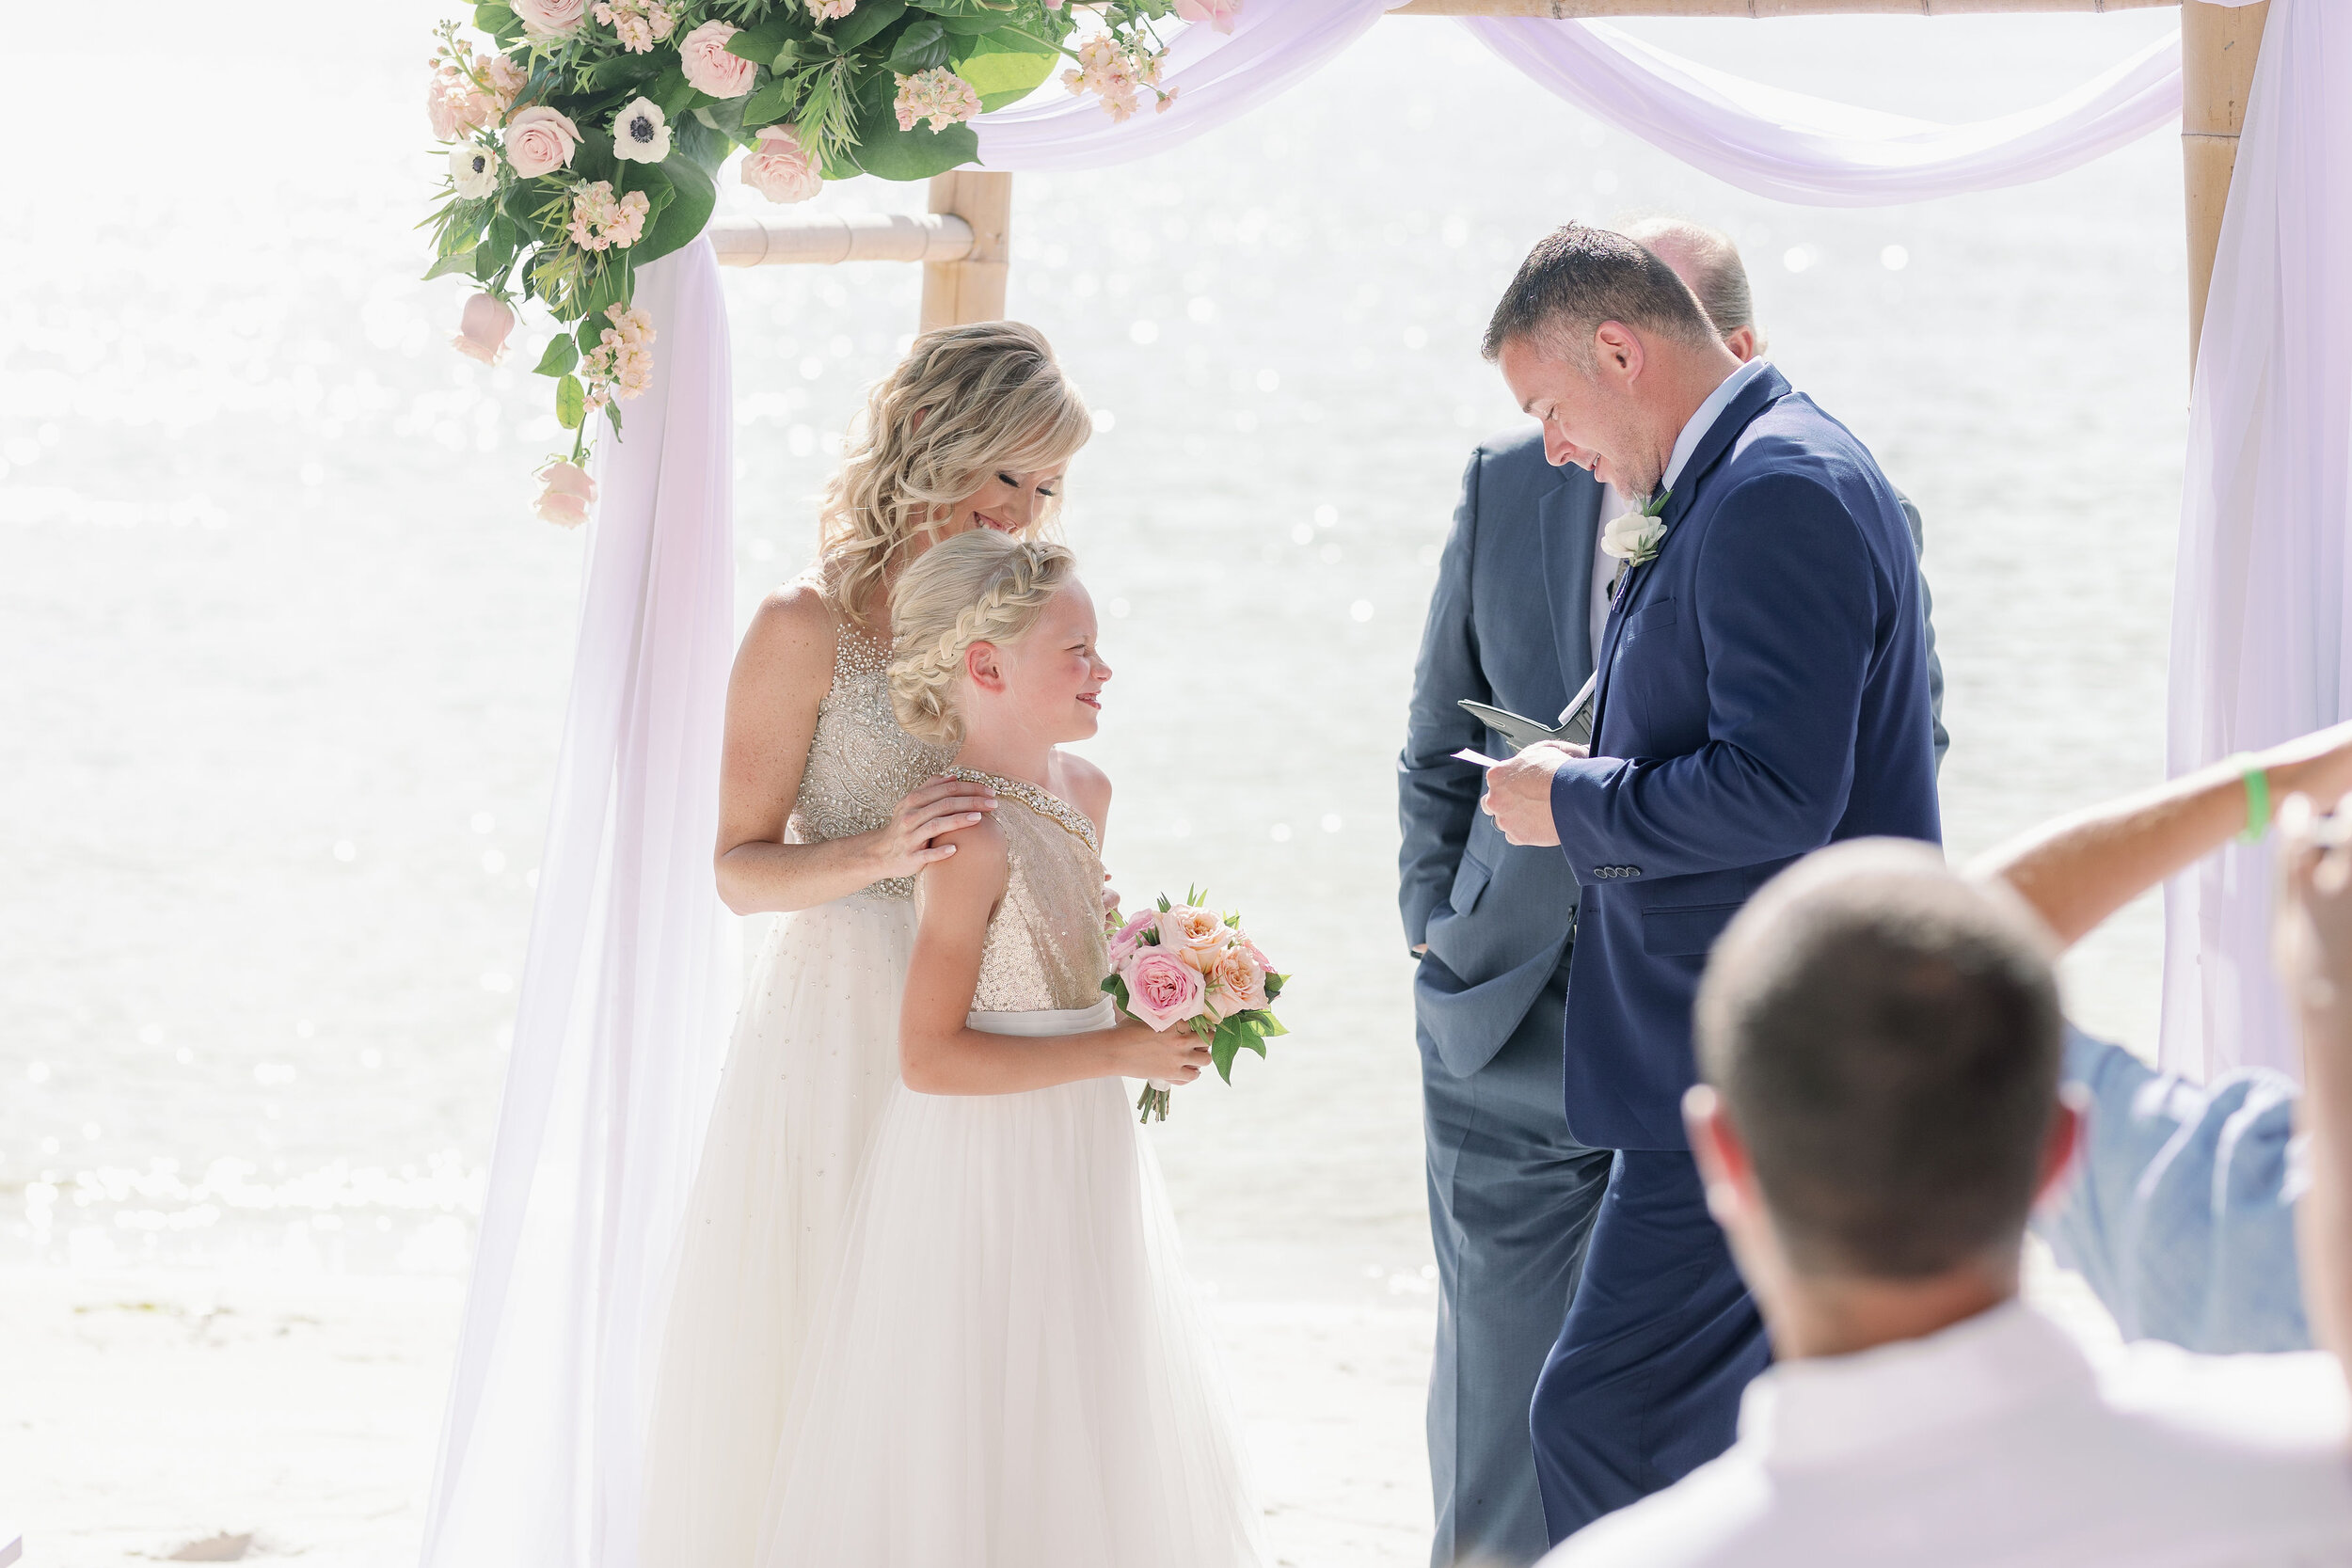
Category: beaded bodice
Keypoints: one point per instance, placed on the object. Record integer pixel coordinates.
(860, 764)
(1044, 948)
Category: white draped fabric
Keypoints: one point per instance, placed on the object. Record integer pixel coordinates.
(620, 1023)
(2261, 650)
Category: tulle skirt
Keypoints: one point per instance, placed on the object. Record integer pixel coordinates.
(1013, 1371)
(816, 1053)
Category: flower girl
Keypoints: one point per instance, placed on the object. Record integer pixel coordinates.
(1011, 1370)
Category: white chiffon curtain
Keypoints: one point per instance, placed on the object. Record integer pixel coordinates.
(620, 1029)
(621, 1025)
(2260, 646)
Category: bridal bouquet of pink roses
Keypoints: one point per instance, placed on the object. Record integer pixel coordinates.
(1180, 966)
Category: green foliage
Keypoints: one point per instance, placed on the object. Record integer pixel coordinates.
(921, 45)
(571, 402)
(681, 211)
(972, 17)
(866, 21)
(454, 262)
(1005, 66)
(562, 357)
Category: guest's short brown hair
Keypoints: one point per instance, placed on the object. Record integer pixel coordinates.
(1578, 278)
(1885, 1037)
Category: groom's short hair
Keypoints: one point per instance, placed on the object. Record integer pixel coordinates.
(1886, 1039)
(1578, 278)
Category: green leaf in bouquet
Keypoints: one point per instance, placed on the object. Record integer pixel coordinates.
(498, 20)
(455, 261)
(1222, 1050)
(1004, 67)
(869, 19)
(725, 118)
(608, 285)
(761, 44)
(673, 92)
(704, 146)
(921, 46)
(497, 250)
(890, 153)
(571, 402)
(772, 102)
(683, 216)
(971, 18)
(1273, 985)
(562, 357)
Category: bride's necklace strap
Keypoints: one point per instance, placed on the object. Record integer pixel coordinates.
(1039, 799)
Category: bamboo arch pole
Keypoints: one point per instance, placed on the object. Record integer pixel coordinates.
(2219, 45)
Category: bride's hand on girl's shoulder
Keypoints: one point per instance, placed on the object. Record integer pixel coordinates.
(1173, 1056)
(929, 824)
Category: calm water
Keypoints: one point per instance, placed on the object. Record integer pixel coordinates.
(285, 653)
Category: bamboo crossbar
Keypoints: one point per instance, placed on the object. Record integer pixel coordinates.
(1559, 11)
(823, 241)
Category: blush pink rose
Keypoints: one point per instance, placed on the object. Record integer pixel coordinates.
(781, 168)
(1130, 937)
(567, 492)
(551, 19)
(1237, 981)
(482, 329)
(1196, 936)
(1216, 13)
(1162, 989)
(709, 68)
(540, 140)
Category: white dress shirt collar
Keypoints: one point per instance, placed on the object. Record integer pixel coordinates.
(1824, 1413)
(1704, 420)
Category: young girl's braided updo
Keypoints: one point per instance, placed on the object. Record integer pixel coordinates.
(979, 587)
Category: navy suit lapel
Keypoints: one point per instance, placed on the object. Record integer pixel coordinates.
(1568, 521)
(1768, 387)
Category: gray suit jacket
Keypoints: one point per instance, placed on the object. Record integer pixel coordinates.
(1509, 625)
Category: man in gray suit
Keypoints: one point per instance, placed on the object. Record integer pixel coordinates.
(1520, 598)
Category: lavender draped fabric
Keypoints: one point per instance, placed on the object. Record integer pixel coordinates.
(621, 1025)
(2261, 650)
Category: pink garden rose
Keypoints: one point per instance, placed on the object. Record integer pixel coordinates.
(551, 19)
(708, 66)
(782, 168)
(1129, 937)
(1162, 989)
(1196, 936)
(567, 493)
(1217, 13)
(1237, 981)
(482, 330)
(540, 140)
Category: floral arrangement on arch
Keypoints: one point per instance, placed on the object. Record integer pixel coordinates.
(585, 140)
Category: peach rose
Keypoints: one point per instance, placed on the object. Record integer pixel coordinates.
(1197, 936)
(1162, 989)
(482, 330)
(551, 19)
(540, 140)
(1236, 981)
(782, 167)
(709, 68)
(567, 493)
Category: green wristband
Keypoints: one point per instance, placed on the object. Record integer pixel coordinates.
(2257, 801)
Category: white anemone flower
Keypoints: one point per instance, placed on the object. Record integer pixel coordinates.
(640, 133)
(474, 169)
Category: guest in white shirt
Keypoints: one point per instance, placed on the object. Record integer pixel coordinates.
(1879, 1040)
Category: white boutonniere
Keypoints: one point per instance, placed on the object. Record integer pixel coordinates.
(1634, 538)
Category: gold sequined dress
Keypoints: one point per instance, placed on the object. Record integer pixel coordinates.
(1012, 1370)
(816, 1051)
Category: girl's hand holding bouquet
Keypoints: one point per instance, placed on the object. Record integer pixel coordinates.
(1181, 967)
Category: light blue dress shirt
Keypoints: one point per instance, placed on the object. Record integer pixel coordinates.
(2181, 1210)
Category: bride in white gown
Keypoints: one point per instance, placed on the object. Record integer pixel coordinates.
(825, 816)
(1012, 1369)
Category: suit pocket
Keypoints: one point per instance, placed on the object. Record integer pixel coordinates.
(1469, 881)
(1654, 617)
(1684, 933)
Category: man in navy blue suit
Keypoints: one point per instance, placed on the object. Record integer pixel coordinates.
(1763, 690)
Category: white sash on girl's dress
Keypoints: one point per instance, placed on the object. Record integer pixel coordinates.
(1046, 1020)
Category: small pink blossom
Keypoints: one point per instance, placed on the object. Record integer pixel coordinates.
(441, 107)
(1217, 13)
(783, 168)
(1162, 989)
(938, 95)
(1129, 937)
(548, 19)
(540, 141)
(482, 329)
(600, 222)
(709, 68)
(566, 493)
(1116, 71)
(638, 24)
(621, 364)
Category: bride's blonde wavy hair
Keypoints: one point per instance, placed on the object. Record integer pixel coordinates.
(978, 587)
(965, 402)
